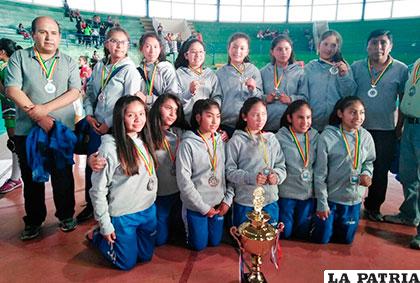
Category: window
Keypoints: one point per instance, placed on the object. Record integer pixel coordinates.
(108, 6)
(134, 8)
(348, 12)
(252, 14)
(324, 13)
(300, 14)
(406, 8)
(160, 9)
(379, 10)
(205, 12)
(230, 13)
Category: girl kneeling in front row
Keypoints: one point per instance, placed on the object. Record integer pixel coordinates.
(200, 173)
(124, 192)
(298, 142)
(343, 170)
(254, 158)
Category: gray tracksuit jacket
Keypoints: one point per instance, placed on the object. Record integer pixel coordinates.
(193, 170)
(294, 187)
(333, 167)
(115, 194)
(244, 160)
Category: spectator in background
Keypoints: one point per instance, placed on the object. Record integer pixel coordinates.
(85, 71)
(260, 34)
(95, 37)
(179, 41)
(102, 33)
(67, 11)
(7, 48)
(109, 22)
(95, 58)
(21, 30)
(79, 31)
(96, 21)
(160, 28)
(199, 36)
(87, 36)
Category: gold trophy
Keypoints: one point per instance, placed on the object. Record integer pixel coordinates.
(257, 237)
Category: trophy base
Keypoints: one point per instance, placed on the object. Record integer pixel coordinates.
(253, 278)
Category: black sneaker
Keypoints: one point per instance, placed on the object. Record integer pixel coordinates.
(85, 214)
(373, 215)
(30, 232)
(68, 224)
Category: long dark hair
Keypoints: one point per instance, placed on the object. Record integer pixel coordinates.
(109, 35)
(181, 61)
(9, 46)
(146, 35)
(276, 40)
(248, 104)
(156, 122)
(199, 107)
(341, 105)
(126, 150)
(236, 36)
(292, 108)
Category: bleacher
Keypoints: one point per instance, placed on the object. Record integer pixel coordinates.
(25, 13)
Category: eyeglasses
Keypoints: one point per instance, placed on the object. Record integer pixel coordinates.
(116, 42)
(196, 52)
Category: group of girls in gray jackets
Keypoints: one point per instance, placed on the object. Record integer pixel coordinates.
(246, 128)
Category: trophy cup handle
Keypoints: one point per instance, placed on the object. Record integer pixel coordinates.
(280, 228)
(236, 235)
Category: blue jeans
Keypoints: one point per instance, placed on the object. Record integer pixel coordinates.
(203, 230)
(239, 213)
(296, 216)
(135, 241)
(167, 208)
(410, 172)
(340, 226)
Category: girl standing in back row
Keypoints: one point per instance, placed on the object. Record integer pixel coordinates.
(195, 80)
(239, 80)
(327, 79)
(282, 81)
(158, 73)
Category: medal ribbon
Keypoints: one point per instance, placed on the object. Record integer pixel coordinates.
(167, 146)
(213, 159)
(356, 147)
(150, 83)
(277, 80)
(327, 62)
(104, 81)
(261, 144)
(374, 82)
(148, 164)
(416, 75)
(48, 73)
(238, 70)
(197, 71)
(305, 157)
